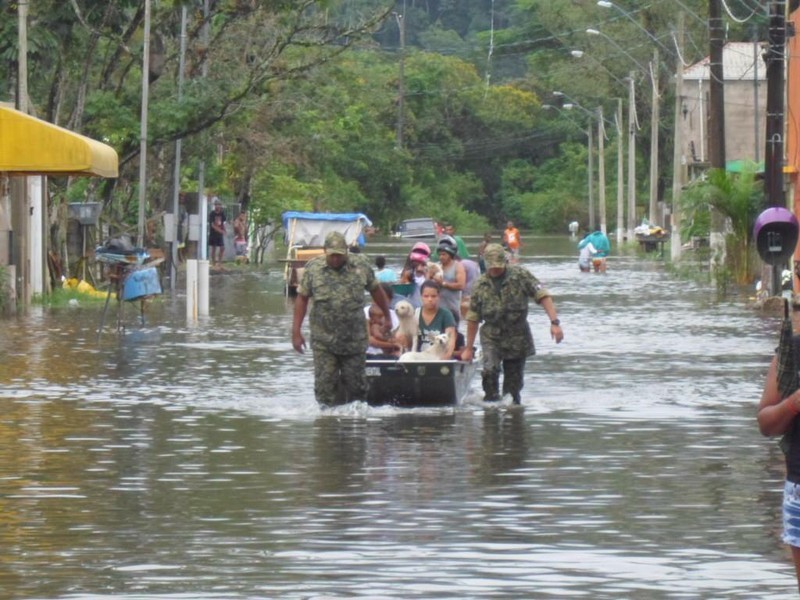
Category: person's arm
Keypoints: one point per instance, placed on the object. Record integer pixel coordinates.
(549, 307)
(300, 308)
(775, 416)
(460, 282)
(451, 342)
(382, 301)
(472, 332)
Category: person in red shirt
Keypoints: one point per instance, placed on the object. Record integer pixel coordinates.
(511, 239)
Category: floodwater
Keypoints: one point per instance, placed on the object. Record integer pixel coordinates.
(177, 461)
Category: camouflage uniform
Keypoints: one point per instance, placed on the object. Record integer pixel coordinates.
(506, 340)
(338, 330)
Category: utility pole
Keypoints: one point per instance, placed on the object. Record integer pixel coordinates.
(143, 126)
(401, 26)
(773, 155)
(653, 212)
(601, 168)
(20, 214)
(202, 201)
(22, 57)
(631, 158)
(202, 264)
(716, 109)
(716, 127)
(173, 272)
(677, 151)
(756, 131)
(620, 174)
(591, 176)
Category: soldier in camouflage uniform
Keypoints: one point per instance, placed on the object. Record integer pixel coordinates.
(500, 299)
(336, 282)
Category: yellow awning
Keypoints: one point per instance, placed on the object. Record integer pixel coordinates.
(30, 145)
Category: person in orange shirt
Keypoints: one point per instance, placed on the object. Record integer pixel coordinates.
(511, 239)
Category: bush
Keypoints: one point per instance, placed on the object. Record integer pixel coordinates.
(5, 290)
(737, 197)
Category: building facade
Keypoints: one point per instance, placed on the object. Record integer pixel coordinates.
(745, 107)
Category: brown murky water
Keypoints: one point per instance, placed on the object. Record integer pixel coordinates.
(178, 461)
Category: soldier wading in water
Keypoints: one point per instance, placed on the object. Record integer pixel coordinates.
(336, 282)
(500, 299)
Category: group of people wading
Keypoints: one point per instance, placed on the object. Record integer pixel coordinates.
(494, 303)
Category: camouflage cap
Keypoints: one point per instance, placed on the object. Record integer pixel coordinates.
(335, 243)
(494, 256)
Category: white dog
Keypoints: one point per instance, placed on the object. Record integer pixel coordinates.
(436, 351)
(409, 323)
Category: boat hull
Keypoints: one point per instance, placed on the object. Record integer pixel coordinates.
(418, 384)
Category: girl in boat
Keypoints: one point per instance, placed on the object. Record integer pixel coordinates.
(434, 319)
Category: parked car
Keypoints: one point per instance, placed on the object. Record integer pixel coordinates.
(420, 228)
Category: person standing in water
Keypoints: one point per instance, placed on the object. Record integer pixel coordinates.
(500, 300)
(337, 281)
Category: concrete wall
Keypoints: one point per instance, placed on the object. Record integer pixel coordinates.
(740, 115)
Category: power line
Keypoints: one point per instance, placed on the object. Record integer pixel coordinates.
(734, 17)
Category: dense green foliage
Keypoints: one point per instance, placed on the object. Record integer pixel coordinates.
(738, 197)
(5, 290)
(296, 104)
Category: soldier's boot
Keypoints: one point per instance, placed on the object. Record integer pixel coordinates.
(491, 386)
(514, 371)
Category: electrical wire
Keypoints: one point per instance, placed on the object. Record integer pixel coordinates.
(734, 17)
(690, 12)
(491, 51)
(678, 51)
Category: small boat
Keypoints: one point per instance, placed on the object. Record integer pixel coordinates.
(418, 384)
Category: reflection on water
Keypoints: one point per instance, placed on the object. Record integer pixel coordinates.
(192, 461)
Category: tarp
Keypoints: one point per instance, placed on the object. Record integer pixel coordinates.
(740, 166)
(30, 145)
(310, 229)
(600, 242)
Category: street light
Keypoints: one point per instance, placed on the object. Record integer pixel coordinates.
(561, 109)
(581, 54)
(591, 31)
(572, 103)
(607, 4)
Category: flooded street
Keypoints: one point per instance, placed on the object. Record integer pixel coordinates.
(178, 461)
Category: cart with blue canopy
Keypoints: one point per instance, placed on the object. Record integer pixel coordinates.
(304, 234)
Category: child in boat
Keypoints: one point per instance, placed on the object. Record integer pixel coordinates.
(379, 343)
(435, 320)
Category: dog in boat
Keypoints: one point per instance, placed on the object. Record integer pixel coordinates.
(408, 327)
(436, 351)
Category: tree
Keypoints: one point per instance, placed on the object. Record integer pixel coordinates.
(738, 197)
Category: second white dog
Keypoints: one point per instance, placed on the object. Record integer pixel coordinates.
(436, 351)
(409, 323)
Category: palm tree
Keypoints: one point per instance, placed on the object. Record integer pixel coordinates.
(738, 197)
